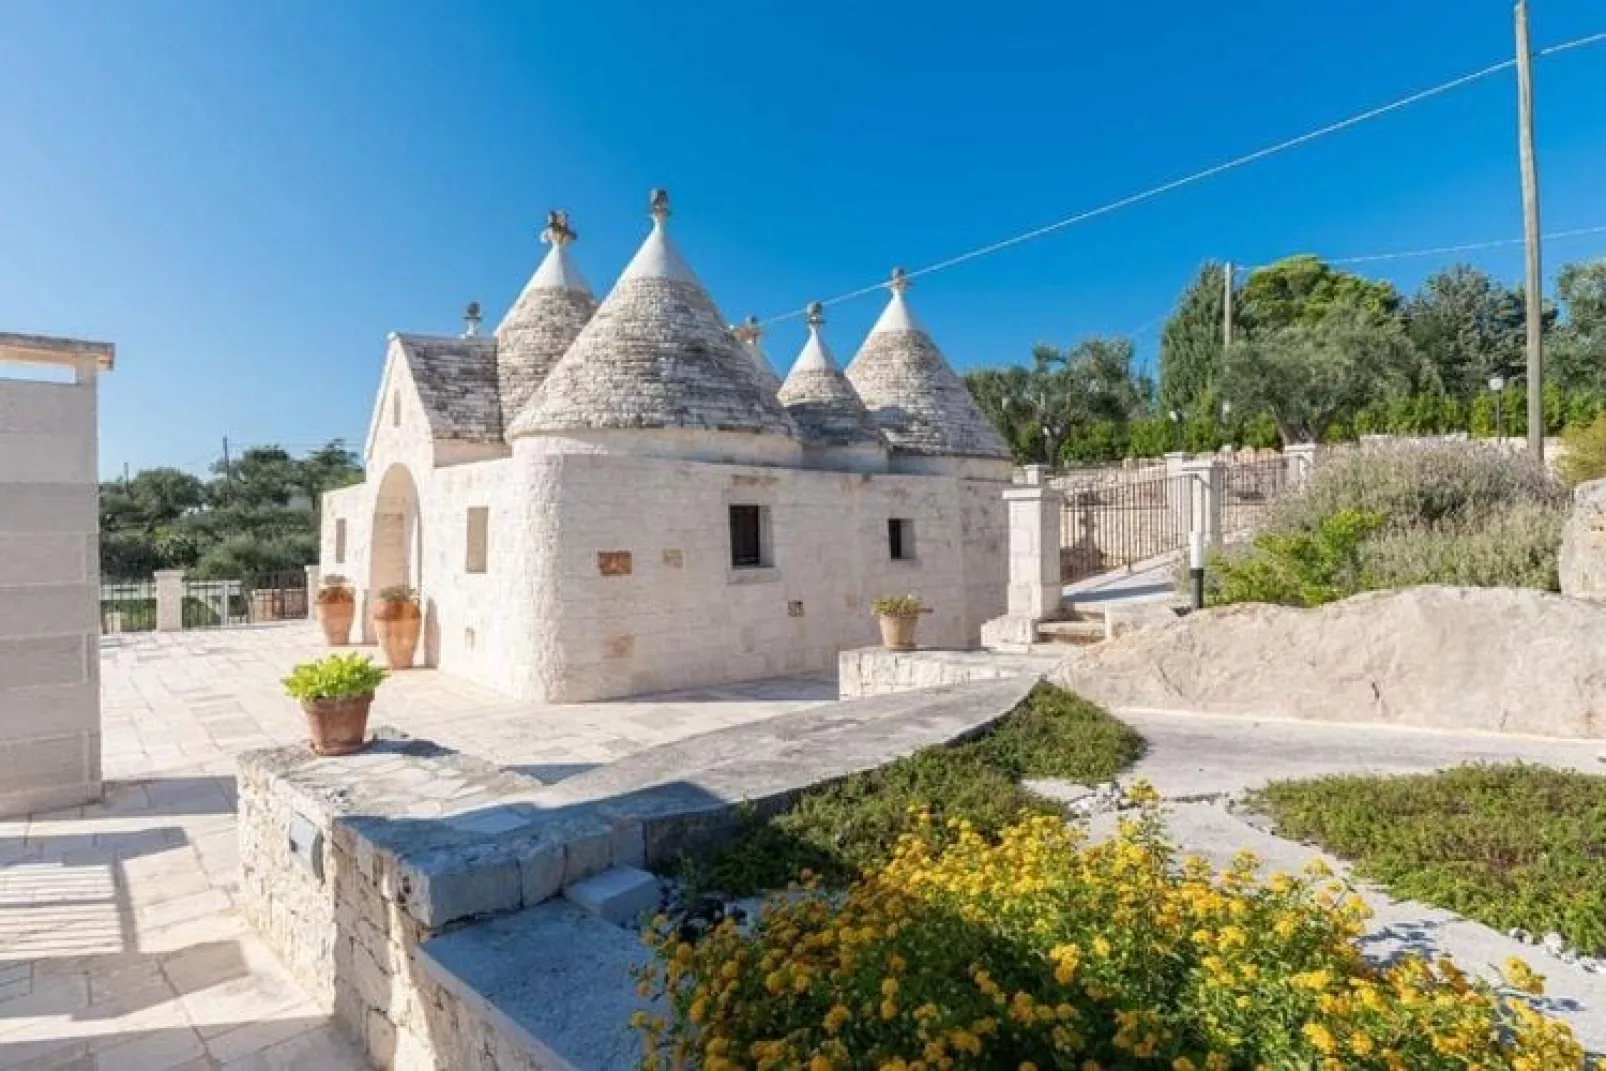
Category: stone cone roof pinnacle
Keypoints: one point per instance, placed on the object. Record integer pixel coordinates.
(543, 322)
(919, 403)
(820, 398)
(656, 354)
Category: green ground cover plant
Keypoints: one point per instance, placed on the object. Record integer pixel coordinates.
(1450, 513)
(839, 830)
(1510, 845)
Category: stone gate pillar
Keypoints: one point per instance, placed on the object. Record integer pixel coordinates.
(1035, 586)
(1301, 460)
(1195, 490)
(169, 600)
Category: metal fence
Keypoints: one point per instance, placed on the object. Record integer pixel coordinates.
(127, 605)
(1120, 524)
(268, 597)
(1249, 488)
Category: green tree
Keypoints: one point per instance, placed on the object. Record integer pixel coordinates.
(258, 514)
(1307, 375)
(1303, 291)
(1467, 327)
(1576, 350)
(1190, 345)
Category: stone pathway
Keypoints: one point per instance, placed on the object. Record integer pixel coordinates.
(120, 945)
(1198, 762)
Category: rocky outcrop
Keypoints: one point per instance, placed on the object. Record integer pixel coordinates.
(1491, 659)
(1583, 544)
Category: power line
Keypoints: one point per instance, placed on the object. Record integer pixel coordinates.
(1470, 247)
(1209, 172)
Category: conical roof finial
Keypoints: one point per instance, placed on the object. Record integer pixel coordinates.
(749, 331)
(658, 203)
(816, 315)
(900, 281)
(558, 232)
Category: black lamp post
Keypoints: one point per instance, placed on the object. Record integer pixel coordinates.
(1497, 385)
(1176, 419)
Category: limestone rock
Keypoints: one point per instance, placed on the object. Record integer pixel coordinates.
(1491, 659)
(1583, 544)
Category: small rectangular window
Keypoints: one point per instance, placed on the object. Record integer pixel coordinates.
(479, 525)
(749, 537)
(395, 408)
(340, 541)
(901, 539)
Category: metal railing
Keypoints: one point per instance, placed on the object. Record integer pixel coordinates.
(127, 605)
(279, 596)
(1249, 489)
(1120, 524)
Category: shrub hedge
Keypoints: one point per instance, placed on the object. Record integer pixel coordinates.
(1039, 950)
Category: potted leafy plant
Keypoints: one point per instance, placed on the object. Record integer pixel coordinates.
(336, 692)
(898, 615)
(397, 620)
(337, 606)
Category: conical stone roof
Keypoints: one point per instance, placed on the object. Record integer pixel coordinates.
(750, 334)
(918, 402)
(545, 320)
(821, 400)
(656, 354)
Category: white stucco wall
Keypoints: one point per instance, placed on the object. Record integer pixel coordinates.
(681, 616)
(49, 594)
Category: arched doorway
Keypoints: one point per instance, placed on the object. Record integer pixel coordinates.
(396, 554)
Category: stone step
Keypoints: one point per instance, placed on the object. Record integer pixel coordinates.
(1080, 633)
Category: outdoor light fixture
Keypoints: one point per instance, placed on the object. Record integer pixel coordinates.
(1497, 384)
(1196, 566)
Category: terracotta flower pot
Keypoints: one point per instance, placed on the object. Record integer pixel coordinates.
(898, 633)
(338, 726)
(398, 625)
(335, 619)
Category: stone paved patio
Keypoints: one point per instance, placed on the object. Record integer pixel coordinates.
(120, 945)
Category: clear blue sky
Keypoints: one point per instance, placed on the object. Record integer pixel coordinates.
(246, 197)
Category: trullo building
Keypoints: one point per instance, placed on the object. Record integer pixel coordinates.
(602, 499)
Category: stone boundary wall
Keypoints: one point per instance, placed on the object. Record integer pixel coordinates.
(350, 866)
(868, 671)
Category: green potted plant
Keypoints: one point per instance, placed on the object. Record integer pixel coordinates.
(337, 607)
(398, 620)
(336, 692)
(898, 615)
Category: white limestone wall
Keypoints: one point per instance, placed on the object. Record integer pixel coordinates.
(49, 594)
(639, 594)
(479, 625)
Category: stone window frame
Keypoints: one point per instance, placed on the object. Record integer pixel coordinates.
(766, 569)
(477, 540)
(902, 544)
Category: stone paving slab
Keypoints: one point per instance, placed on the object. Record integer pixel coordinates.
(1200, 755)
(554, 979)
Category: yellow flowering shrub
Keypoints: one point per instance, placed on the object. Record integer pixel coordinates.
(1040, 950)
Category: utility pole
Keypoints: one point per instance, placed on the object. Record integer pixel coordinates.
(1226, 305)
(228, 473)
(1530, 227)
